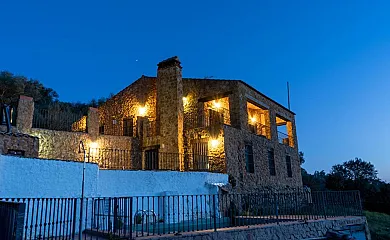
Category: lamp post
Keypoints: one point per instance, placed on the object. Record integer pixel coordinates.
(82, 150)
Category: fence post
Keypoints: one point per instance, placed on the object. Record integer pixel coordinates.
(131, 217)
(215, 214)
(21, 208)
(323, 204)
(276, 199)
(115, 214)
(360, 204)
(74, 218)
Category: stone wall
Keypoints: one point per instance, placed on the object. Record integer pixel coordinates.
(170, 105)
(235, 141)
(286, 231)
(126, 104)
(10, 142)
(65, 145)
(237, 133)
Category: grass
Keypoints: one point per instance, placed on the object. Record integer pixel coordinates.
(379, 224)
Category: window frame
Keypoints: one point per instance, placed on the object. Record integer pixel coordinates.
(249, 160)
(128, 129)
(288, 166)
(271, 162)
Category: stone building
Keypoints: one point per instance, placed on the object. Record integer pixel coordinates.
(169, 122)
(191, 124)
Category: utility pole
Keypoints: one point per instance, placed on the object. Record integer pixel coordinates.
(288, 95)
(82, 150)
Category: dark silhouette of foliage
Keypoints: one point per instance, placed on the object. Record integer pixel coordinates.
(301, 157)
(355, 174)
(11, 87)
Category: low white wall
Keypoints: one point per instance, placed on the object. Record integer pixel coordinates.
(149, 183)
(27, 178)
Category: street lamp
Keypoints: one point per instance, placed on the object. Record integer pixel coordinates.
(82, 150)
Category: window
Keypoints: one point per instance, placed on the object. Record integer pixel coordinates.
(250, 166)
(258, 120)
(288, 163)
(284, 128)
(101, 129)
(128, 127)
(271, 162)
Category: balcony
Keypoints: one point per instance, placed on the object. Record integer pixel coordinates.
(206, 118)
(260, 129)
(285, 139)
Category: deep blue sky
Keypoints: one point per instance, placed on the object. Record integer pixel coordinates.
(336, 55)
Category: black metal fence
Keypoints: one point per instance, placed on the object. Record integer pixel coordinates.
(123, 159)
(58, 118)
(11, 220)
(119, 127)
(132, 217)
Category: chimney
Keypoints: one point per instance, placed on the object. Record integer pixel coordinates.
(170, 109)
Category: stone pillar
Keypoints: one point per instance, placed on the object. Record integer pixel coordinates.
(274, 128)
(25, 114)
(170, 110)
(93, 122)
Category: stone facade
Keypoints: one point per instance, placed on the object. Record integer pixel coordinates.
(169, 106)
(186, 111)
(288, 231)
(219, 125)
(20, 144)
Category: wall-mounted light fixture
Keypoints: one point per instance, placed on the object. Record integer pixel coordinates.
(214, 143)
(253, 120)
(142, 111)
(216, 104)
(93, 145)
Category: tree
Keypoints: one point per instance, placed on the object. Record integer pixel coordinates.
(11, 87)
(301, 158)
(355, 170)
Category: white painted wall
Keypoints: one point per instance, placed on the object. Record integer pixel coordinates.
(115, 183)
(26, 177)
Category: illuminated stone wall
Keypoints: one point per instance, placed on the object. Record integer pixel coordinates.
(170, 105)
(127, 103)
(65, 145)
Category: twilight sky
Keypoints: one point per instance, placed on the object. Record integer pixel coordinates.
(335, 54)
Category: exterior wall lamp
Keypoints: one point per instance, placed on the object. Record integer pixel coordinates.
(142, 111)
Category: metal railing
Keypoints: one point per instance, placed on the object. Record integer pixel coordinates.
(132, 217)
(285, 139)
(108, 158)
(11, 220)
(56, 118)
(260, 129)
(123, 127)
(122, 159)
(206, 118)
